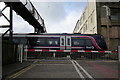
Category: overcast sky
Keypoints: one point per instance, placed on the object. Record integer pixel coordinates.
(59, 17)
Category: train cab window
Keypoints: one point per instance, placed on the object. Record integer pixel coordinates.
(88, 42)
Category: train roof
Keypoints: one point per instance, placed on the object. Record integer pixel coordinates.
(54, 34)
(73, 34)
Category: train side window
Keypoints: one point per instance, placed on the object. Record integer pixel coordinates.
(53, 42)
(78, 42)
(41, 41)
(88, 42)
(82, 42)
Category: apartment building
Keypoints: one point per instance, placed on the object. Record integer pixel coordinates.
(101, 18)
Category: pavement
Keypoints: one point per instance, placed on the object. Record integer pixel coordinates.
(61, 68)
(12, 68)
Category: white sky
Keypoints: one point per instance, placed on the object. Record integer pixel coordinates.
(59, 17)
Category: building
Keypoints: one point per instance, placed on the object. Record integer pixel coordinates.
(101, 18)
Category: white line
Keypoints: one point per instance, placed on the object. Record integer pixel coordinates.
(49, 64)
(84, 70)
(80, 74)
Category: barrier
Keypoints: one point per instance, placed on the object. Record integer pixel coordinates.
(83, 51)
(90, 54)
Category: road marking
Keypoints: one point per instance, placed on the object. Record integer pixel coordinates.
(109, 61)
(78, 71)
(51, 64)
(20, 72)
(84, 70)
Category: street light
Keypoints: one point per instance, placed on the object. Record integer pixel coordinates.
(107, 9)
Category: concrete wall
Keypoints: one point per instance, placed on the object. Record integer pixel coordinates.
(9, 53)
(114, 24)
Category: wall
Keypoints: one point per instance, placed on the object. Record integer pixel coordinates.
(9, 53)
(113, 23)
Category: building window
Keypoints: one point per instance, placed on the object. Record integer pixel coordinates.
(103, 12)
(83, 16)
(115, 13)
(91, 19)
(86, 27)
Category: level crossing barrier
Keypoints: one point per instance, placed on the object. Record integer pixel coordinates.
(78, 53)
(23, 51)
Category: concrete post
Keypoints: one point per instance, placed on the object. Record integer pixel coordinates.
(18, 52)
(0, 57)
(119, 62)
(119, 53)
(54, 55)
(25, 53)
(21, 53)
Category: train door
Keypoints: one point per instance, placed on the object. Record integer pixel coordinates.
(62, 42)
(68, 42)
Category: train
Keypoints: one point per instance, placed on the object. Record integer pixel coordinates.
(63, 41)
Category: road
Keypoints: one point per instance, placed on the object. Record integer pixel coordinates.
(68, 69)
